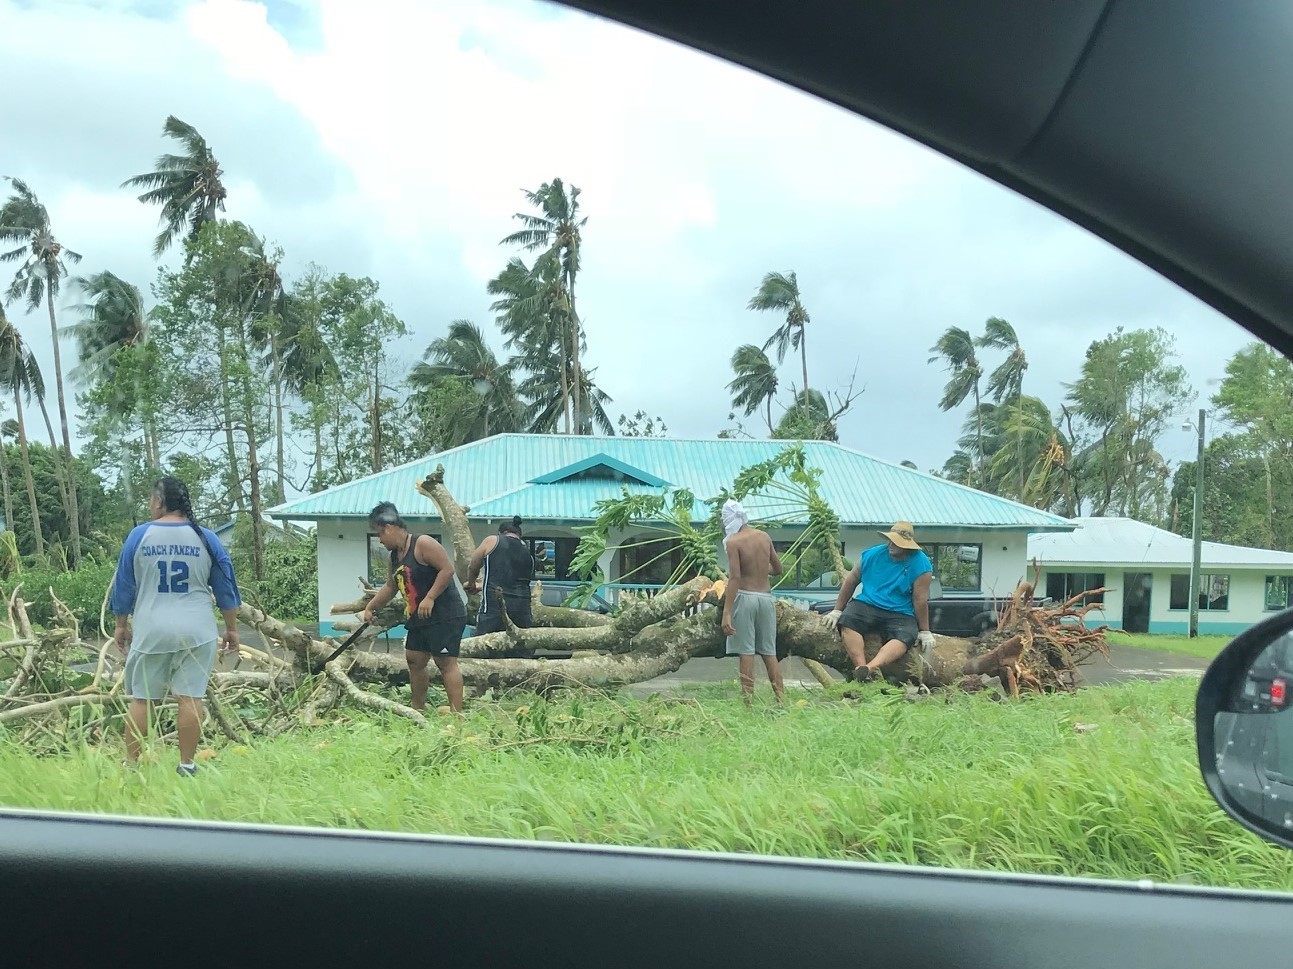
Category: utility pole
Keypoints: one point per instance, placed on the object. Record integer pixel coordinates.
(1198, 533)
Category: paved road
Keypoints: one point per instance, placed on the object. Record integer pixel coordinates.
(1125, 663)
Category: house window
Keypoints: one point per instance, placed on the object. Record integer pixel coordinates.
(379, 560)
(1063, 586)
(1214, 592)
(1279, 592)
(808, 568)
(552, 558)
(959, 567)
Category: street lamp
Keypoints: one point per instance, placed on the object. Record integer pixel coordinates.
(1196, 560)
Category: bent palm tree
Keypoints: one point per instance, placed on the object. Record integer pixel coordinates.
(464, 355)
(955, 348)
(1007, 380)
(558, 229)
(20, 375)
(779, 292)
(755, 383)
(112, 323)
(43, 266)
(530, 315)
(188, 186)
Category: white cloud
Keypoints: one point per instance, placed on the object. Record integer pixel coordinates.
(393, 137)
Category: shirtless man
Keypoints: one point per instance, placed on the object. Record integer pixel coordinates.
(749, 610)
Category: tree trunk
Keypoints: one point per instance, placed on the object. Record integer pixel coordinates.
(61, 470)
(280, 493)
(233, 480)
(803, 355)
(316, 413)
(31, 483)
(768, 400)
(1270, 502)
(73, 511)
(978, 433)
(376, 419)
(576, 365)
(1019, 407)
(253, 467)
(4, 480)
(454, 518)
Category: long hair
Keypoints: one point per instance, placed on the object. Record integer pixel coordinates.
(174, 497)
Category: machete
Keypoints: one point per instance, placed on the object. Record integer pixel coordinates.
(346, 645)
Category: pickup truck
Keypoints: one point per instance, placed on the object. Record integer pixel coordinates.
(958, 614)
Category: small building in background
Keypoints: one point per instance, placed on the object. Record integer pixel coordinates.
(1146, 572)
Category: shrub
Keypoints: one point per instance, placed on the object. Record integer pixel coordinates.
(290, 589)
(82, 591)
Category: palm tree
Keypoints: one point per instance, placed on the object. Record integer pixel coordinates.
(755, 383)
(20, 375)
(529, 314)
(779, 292)
(558, 229)
(43, 266)
(186, 186)
(307, 361)
(956, 349)
(463, 355)
(1007, 380)
(113, 321)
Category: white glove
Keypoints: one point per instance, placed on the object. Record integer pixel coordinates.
(832, 619)
(925, 639)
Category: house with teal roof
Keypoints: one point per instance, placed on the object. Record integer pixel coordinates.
(978, 542)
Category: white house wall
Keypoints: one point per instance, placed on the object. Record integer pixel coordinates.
(1247, 604)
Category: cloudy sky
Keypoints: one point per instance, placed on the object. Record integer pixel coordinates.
(392, 138)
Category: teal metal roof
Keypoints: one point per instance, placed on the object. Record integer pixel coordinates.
(496, 478)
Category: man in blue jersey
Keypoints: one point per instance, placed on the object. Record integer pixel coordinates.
(892, 598)
(169, 572)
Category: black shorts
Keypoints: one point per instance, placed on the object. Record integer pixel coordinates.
(864, 618)
(518, 610)
(437, 638)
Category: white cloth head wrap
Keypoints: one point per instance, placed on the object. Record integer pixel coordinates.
(735, 518)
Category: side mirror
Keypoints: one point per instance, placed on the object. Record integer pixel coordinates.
(1243, 721)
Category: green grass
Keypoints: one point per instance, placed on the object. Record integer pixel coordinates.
(963, 782)
(1204, 647)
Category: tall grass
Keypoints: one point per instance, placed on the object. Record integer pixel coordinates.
(1204, 647)
(965, 782)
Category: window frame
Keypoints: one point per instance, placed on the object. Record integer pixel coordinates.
(1070, 588)
(1288, 593)
(532, 540)
(934, 551)
(1205, 581)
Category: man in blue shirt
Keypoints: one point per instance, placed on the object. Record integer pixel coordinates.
(892, 598)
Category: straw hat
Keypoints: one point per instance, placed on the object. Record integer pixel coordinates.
(902, 535)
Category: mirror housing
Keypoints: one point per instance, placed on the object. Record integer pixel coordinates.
(1243, 721)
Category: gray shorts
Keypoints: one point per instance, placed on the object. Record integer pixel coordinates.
(183, 672)
(754, 617)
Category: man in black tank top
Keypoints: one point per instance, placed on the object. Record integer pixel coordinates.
(508, 570)
(435, 614)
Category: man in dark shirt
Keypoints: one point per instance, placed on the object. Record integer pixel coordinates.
(509, 570)
(435, 613)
